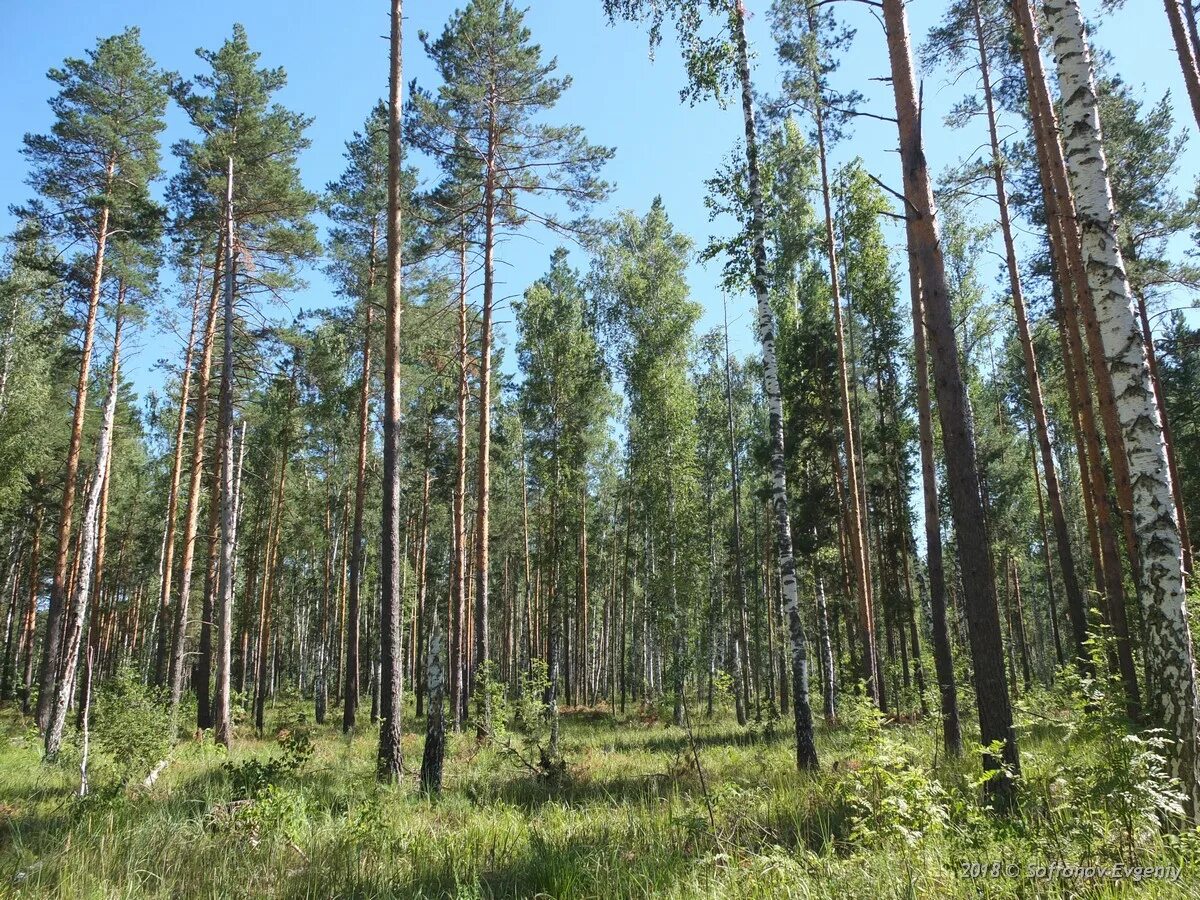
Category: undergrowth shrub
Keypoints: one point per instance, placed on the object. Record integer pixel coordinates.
(128, 732)
(251, 778)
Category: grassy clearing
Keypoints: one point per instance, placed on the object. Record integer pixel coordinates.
(888, 816)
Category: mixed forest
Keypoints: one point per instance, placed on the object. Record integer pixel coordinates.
(442, 590)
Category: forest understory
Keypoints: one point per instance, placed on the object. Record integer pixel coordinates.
(641, 809)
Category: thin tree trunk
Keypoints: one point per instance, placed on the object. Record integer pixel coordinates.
(1058, 517)
(806, 750)
(52, 645)
(391, 695)
(858, 540)
(88, 539)
(223, 724)
(354, 592)
(192, 512)
(943, 661)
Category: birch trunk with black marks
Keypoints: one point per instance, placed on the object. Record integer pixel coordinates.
(1161, 575)
(435, 722)
(223, 720)
(806, 750)
(389, 763)
(88, 540)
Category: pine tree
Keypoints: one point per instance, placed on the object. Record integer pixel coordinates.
(232, 106)
(495, 88)
(92, 173)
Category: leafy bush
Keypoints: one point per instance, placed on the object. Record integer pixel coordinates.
(252, 778)
(128, 728)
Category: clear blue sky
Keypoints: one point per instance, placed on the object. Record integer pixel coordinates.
(336, 58)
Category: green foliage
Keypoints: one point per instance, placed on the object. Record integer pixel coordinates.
(129, 728)
(253, 777)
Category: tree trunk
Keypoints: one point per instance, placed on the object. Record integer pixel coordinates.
(192, 513)
(858, 540)
(167, 568)
(987, 650)
(1161, 575)
(88, 539)
(806, 750)
(1062, 536)
(1186, 52)
(391, 688)
(52, 646)
(354, 592)
(223, 721)
(943, 661)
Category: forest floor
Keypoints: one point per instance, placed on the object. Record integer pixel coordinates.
(298, 814)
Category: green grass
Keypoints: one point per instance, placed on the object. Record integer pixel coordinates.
(888, 816)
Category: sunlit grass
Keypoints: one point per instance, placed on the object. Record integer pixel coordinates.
(631, 820)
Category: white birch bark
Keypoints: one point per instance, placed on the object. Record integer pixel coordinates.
(1169, 642)
(89, 539)
(223, 720)
(806, 751)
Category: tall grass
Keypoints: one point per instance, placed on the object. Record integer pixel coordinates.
(888, 816)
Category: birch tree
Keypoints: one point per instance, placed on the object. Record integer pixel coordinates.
(1161, 575)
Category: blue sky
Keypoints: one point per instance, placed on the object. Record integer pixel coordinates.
(336, 59)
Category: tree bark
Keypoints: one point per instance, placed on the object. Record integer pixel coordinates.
(52, 646)
(192, 512)
(354, 592)
(934, 562)
(167, 568)
(1161, 574)
(806, 750)
(88, 539)
(987, 650)
(223, 720)
(389, 765)
(1186, 52)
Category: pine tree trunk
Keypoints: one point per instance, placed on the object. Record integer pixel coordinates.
(483, 477)
(202, 677)
(391, 677)
(1186, 52)
(987, 651)
(88, 539)
(167, 567)
(192, 513)
(806, 750)
(1161, 575)
(354, 592)
(1106, 393)
(1062, 537)
(943, 661)
(857, 537)
(458, 584)
(52, 645)
(223, 720)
